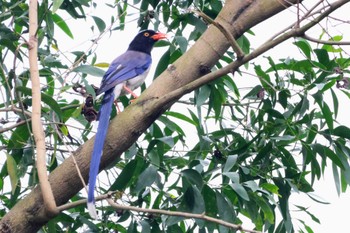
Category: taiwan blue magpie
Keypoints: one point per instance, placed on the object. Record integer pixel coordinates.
(126, 73)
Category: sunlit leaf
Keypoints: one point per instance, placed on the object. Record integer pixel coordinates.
(266, 208)
(56, 5)
(91, 70)
(102, 65)
(270, 187)
(11, 166)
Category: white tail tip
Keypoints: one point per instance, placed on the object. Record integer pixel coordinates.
(92, 210)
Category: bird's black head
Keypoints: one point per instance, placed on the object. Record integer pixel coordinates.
(144, 41)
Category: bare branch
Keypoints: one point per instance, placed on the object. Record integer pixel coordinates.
(38, 131)
(328, 42)
(180, 214)
(2, 130)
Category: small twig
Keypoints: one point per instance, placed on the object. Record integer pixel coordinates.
(37, 126)
(180, 214)
(83, 201)
(223, 30)
(15, 109)
(295, 25)
(328, 42)
(2, 130)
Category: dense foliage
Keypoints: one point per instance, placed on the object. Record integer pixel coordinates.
(223, 150)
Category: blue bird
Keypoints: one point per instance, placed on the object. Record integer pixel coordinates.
(126, 73)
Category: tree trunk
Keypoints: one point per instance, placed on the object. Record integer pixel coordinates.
(29, 214)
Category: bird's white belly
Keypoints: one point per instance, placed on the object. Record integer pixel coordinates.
(132, 84)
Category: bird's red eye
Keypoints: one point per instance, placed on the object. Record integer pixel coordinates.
(146, 34)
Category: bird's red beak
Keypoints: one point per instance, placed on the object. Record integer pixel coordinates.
(159, 36)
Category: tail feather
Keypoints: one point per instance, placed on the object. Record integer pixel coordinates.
(104, 113)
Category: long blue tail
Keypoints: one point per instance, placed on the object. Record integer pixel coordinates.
(104, 113)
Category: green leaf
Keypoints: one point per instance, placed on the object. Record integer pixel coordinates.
(283, 97)
(244, 43)
(317, 198)
(312, 134)
(101, 25)
(230, 162)
(171, 125)
(210, 201)
(326, 152)
(11, 166)
(62, 24)
(336, 178)
(195, 202)
(253, 94)
(240, 190)
(19, 138)
(203, 94)
(45, 98)
(225, 210)
(326, 112)
(182, 42)
(91, 70)
(335, 104)
(328, 115)
(266, 208)
(162, 64)
(125, 176)
(146, 178)
(193, 177)
(305, 47)
(270, 187)
(233, 176)
(322, 56)
(56, 5)
(342, 131)
(264, 77)
(263, 153)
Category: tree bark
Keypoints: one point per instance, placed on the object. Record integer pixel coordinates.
(29, 214)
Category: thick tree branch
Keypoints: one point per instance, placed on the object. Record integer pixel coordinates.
(224, 31)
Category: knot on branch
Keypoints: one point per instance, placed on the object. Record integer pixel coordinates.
(203, 69)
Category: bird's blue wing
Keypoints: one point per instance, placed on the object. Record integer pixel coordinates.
(125, 67)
